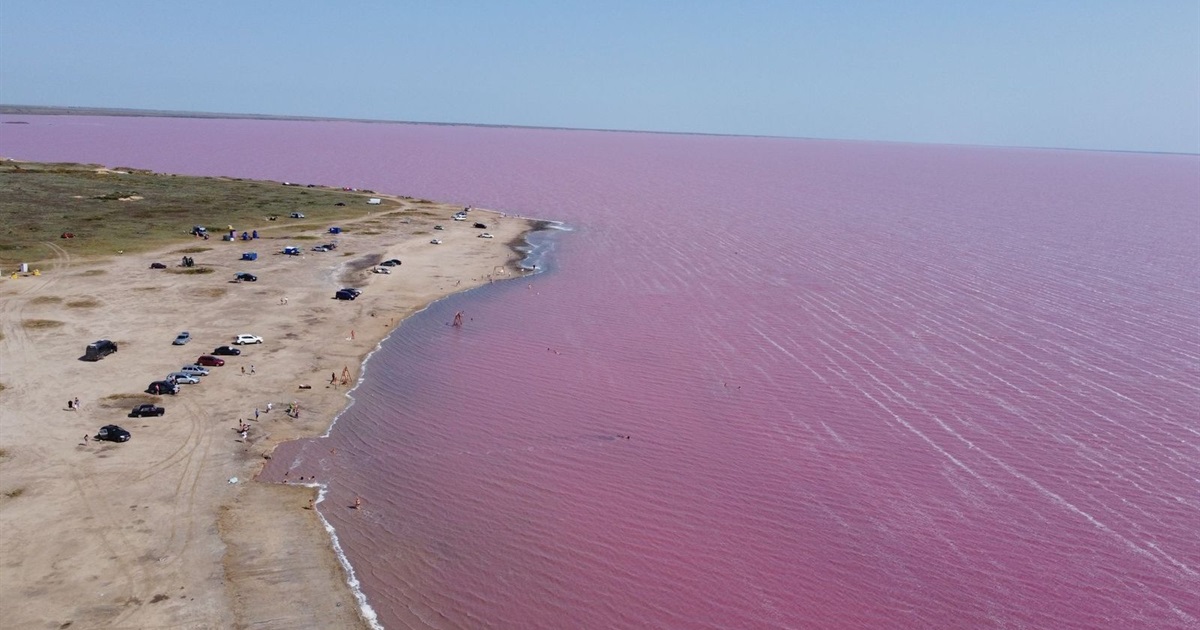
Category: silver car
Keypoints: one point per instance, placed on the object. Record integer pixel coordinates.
(182, 378)
(194, 370)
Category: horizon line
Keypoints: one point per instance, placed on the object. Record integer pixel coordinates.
(132, 112)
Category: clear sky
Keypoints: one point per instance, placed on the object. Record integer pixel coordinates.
(1089, 74)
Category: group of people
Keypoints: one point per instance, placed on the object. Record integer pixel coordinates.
(73, 405)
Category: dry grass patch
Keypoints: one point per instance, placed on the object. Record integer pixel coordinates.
(191, 270)
(211, 292)
(94, 272)
(192, 250)
(119, 401)
(41, 324)
(46, 299)
(14, 493)
(84, 303)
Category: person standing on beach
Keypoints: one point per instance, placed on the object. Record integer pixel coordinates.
(256, 413)
(251, 368)
(76, 403)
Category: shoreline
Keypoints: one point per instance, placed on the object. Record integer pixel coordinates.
(524, 250)
(172, 528)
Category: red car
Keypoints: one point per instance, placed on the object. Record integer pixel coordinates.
(210, 360)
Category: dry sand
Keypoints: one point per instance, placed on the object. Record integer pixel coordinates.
(151, 533)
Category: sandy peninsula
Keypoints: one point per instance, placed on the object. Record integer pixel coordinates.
(168, 530)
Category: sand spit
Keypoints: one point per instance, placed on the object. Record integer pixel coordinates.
(166, 530)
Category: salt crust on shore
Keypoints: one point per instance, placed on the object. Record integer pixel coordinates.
(152, 533)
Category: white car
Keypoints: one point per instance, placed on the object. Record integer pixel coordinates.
(182, 378)
(194, 370)
(381, 270)
(485, 235)
(244, 339)
(436, 241)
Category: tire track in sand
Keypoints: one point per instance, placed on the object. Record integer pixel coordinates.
(13, 310)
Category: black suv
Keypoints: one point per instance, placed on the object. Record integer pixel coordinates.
(112, 433)
(142, 411)
(163, 387)
(347, 294)
(228, 351)
(99, 350)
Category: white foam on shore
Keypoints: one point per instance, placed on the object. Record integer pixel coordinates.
(364, 608)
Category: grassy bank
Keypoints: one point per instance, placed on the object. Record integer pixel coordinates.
(123, 209)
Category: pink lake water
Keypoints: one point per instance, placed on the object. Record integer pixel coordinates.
(865, 385)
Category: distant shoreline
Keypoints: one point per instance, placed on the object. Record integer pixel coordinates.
(55, 110)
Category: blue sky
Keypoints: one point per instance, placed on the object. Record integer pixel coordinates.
(1086, 74)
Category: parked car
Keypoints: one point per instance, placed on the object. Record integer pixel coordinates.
(157, 265)
(481, 226)
(226, 350)
(485, 235)
(142, 411)
(438, 227)
(182, 378)
(99, 350)
(321, 248)
(395, 262)
(246, 277)
(210, 361)
(194, 369)
(182, 338)
(345, 294)
(297, 215)
(112, 433)
(247, 338)
(384, 270)
(436, 241)
(163, 387)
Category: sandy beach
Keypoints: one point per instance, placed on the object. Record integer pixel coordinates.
(168, 530)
